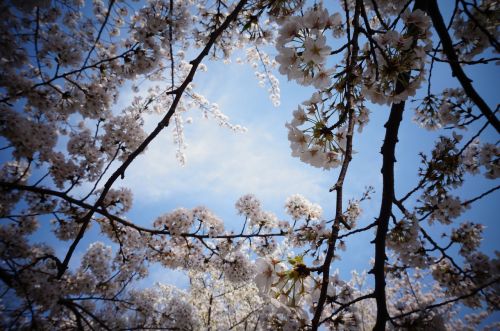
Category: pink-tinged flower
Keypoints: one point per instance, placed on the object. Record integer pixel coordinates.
(288, 30)
(266, 275)
(287, 58)
(322, 79)
(317, 19)
(417, 18)
(248, 205)
(316, 50)
(299, 117)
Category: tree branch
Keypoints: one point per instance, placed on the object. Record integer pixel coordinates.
(436, 305)
(388, 159)
(432, 10)
(349, 95)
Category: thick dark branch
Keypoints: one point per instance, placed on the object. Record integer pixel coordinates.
(75, 305)
(432, 10)
(338, 187)
(388, 160)
(120, 172)
(332, 240)
(78, 316)
(102, 211)
(6, 277)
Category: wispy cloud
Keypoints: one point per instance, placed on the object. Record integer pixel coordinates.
(223, 165)
(221, 162)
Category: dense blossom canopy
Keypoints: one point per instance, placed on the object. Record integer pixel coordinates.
(66, 144)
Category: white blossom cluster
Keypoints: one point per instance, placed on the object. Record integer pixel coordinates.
(302, 46)
(486, 155)
(299, 207)
(221, 304)
(403, 239)
(177, 222)
(469, 236)
(447, 208)
(352, 213)
(118, 201)
(259, 59)
(315, 145)
(450, 109)
(163, 307)
(12, 171)
(403, 52)
(475, 41)
(237, 267)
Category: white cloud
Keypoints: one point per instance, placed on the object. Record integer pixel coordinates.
(222, 165)
(219, 163)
